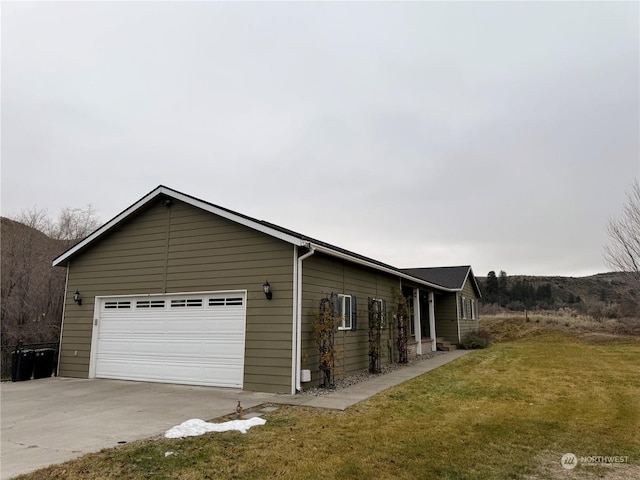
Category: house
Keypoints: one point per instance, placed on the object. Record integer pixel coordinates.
(175, 289)
(460, 310)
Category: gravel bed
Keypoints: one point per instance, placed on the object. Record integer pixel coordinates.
(363, 376)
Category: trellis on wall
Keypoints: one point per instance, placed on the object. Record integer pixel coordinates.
(324, 327)
(403, 315)
(376, 318)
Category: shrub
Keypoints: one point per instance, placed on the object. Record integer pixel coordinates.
(476, 339)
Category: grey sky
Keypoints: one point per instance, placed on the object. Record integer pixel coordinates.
(501, 135)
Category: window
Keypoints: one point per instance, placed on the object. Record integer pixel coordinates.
(221, 302)
(474, 309)
(412, 324)
(189, 302)
(463, 307)
(346, 312)
(150, 304)
(117, 304)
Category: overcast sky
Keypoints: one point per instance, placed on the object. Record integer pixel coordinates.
(501, 135)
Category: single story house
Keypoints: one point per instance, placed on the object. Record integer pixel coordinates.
(175, 289)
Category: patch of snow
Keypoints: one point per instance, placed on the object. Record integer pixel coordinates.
(195, 427)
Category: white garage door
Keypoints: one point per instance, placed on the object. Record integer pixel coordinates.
(195, 339)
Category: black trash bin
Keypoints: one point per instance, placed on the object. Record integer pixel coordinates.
(43, 362)
(21, 365)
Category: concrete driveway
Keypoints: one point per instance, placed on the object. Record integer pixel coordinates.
(56, 419)
(52, 420)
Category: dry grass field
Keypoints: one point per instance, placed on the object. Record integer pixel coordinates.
(514, 325)
(510, 411)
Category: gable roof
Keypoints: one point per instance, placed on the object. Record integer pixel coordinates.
(452, 278)
(271, 229)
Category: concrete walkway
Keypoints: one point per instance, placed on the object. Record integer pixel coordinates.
(346, 397)
(49, 421)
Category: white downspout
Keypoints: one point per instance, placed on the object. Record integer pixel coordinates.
(64, 308)
(298, 323)
(294, 320)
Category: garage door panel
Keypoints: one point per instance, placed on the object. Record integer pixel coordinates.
(116, 326)
(191, 339)
(181, 372)
(184, 325)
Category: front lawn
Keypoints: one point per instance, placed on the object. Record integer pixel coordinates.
(510, 411)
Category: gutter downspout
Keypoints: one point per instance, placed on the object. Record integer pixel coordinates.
(298, 325)
(64, 308)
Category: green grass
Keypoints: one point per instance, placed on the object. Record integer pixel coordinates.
(510, 411)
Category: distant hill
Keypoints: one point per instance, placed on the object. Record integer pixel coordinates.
(604, 294)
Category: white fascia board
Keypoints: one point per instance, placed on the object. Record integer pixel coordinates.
(186, 199)
(475, 282)
(381, 268)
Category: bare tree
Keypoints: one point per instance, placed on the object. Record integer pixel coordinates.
(72, 224)
(32, 291)
(623, 253)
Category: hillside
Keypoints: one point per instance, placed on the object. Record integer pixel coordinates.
(32, 290)
(604, 294)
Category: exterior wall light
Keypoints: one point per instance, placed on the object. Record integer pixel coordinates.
(266, 288)
(77, 298)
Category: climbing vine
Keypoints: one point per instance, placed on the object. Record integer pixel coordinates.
(375, 330)
(324, 323)
(403, 313)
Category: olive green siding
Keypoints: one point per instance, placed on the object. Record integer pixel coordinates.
(323, 275)
(449, 314)
(468, 324)
(447, 317)
(185, 249)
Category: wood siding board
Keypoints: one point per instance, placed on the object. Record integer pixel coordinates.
(205, 253)
(468, 325)
(323, 275)
(446, 317)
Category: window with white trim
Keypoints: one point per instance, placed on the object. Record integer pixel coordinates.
(117, 304)
(346, 312)
(221, 302)
(463, 308)
(186, 302)
(150, 304)
(474, 309)
(412, 322)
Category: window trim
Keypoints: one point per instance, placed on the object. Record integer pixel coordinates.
(464, 313)
(343, 324)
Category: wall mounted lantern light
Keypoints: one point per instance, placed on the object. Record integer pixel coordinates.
(266, 288)
(77, 298)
